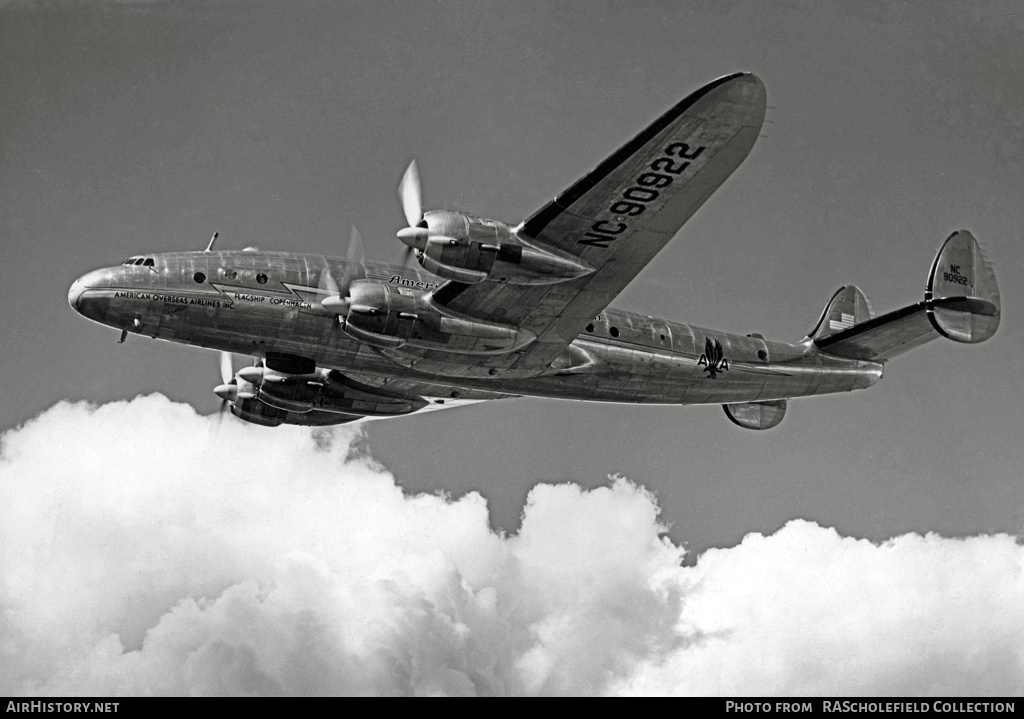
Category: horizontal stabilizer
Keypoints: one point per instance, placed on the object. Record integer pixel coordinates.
(961, 303)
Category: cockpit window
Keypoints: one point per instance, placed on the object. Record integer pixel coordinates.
(140, 260)
(130, 261)
(148, 262)
(136, 260)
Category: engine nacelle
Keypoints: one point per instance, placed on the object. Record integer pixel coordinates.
(257, 412)
(252, 410)
(472, 249)
(391, 317)
(328, 391)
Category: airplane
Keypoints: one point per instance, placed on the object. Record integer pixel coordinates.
(495, 311)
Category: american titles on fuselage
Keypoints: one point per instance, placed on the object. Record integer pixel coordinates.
(231, 293)
(414, 284)
(171, 299)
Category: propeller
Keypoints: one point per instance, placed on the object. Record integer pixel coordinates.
(338, 299)
(229, 390)
(227, 372)
(409, 192)
(406, 256)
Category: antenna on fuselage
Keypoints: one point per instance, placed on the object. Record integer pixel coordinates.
(209, 247)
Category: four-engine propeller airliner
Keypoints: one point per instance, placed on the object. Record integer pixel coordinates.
(506, 311)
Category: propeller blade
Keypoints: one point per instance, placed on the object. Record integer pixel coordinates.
(338, 300)
(228, 390)
(327, 283)
(355, 253)
(226, 369)
(407, 255)
(409, 192)
(354, 269)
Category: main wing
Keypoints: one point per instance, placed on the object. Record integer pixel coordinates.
(616, 218)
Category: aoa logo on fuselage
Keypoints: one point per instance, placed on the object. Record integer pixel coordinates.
(713, 359)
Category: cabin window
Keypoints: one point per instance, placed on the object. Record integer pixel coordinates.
(261, 278)
(199, 277)
(614, 331)
(590, 327)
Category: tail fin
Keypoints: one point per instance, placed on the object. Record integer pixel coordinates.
(962, 291)
(961, 302)
(847, 308)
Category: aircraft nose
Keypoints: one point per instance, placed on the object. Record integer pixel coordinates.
(75, 293)
(97, 279)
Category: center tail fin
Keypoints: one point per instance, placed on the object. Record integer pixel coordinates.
(961, 303)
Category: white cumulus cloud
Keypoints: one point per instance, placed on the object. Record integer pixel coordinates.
(148, 550)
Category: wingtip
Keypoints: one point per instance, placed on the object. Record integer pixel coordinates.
(741, 91)
(738, 77)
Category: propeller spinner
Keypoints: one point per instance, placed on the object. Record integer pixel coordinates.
(229, 389)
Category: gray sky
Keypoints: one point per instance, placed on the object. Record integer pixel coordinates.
(141, 127)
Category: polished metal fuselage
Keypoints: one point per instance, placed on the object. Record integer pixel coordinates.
(255, 303)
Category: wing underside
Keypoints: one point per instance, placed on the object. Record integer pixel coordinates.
(616, 218)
